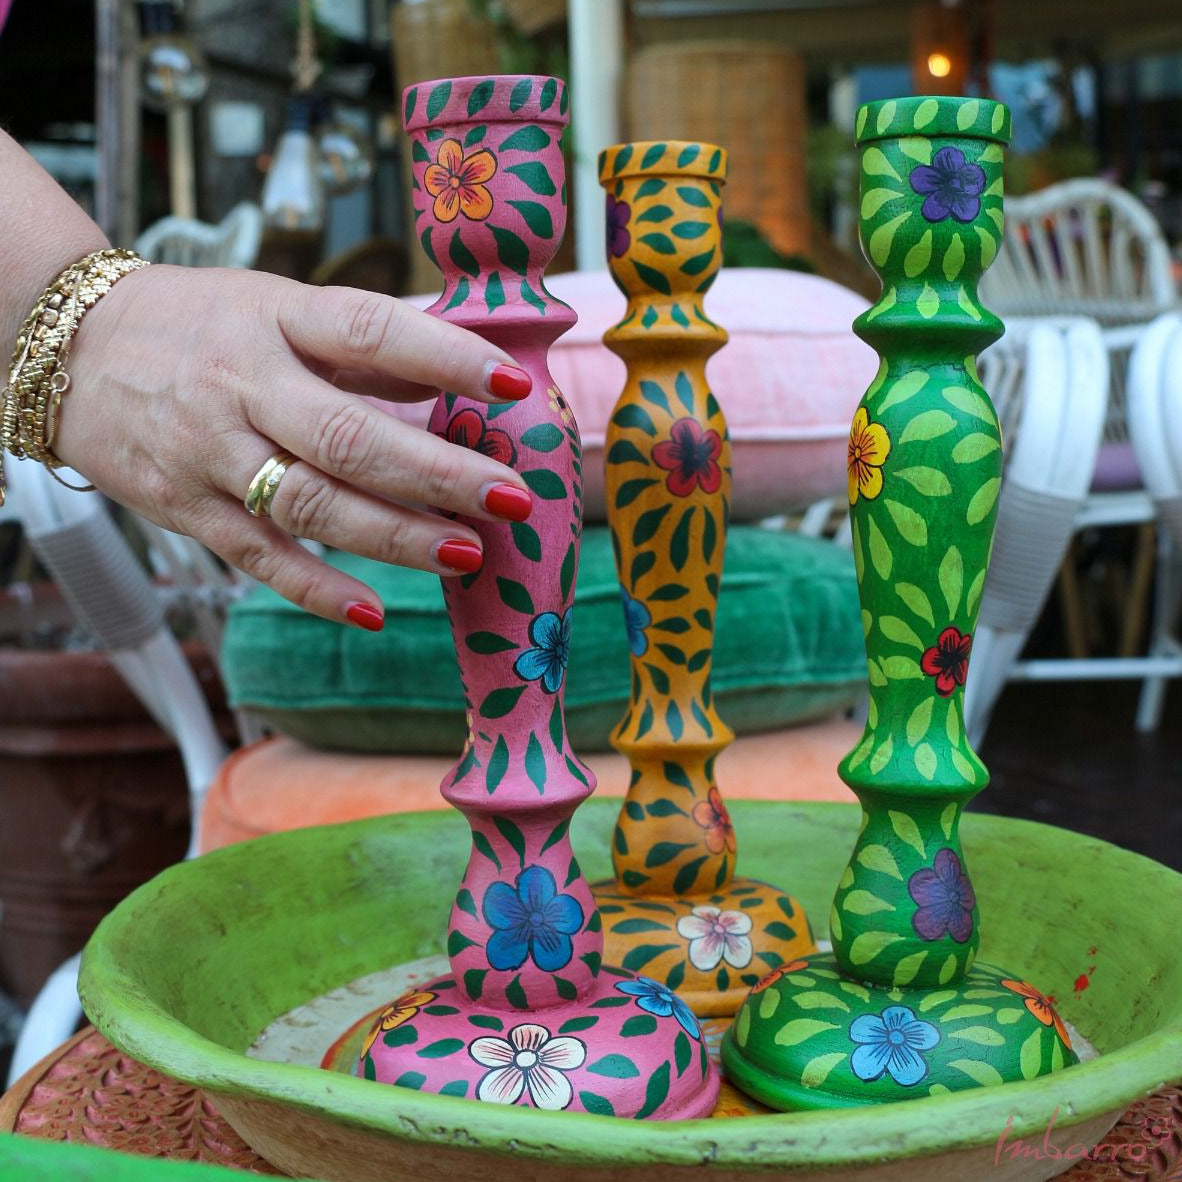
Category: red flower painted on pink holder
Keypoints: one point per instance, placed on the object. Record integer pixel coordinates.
(948, 660)
(469, 430)
(691, 458)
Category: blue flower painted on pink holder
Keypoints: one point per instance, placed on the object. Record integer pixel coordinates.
(659, 999)
(891, 1043)
(952, 185)
(531, 919)
(546, 661)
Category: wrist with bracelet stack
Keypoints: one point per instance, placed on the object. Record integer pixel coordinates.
(37, 376)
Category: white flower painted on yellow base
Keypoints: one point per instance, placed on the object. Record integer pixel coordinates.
(715, 936)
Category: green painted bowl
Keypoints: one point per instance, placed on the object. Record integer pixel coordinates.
(187, 971)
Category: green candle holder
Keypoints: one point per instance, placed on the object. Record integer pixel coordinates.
(899, 1009)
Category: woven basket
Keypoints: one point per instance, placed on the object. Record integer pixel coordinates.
(435, 39)
(532, 16)
(750, 98)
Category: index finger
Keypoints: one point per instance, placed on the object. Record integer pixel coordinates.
(358, 331)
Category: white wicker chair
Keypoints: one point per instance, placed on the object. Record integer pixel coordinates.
(233, 242)
(1048, 379)
(1086, 247)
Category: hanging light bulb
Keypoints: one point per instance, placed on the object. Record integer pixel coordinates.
(293, 193)
(346, 152)
(172, 67)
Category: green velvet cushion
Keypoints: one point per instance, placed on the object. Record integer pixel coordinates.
(788, 649)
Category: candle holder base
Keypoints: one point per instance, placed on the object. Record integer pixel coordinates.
(813, 1038)
(628, 1048)
(710, 948)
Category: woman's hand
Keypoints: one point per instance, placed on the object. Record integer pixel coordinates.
(185, 381)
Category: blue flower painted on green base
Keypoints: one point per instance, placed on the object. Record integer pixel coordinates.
(891, 1044)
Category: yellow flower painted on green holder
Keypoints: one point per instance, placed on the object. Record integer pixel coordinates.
(869, 447)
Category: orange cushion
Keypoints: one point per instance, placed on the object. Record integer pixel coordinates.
(280, 784)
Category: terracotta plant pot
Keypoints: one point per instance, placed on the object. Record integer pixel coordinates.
(94, 803)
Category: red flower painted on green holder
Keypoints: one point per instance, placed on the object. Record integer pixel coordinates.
(469, 430)
(948, 660)
(1040, 1006)
(691, 458)
(781, 970)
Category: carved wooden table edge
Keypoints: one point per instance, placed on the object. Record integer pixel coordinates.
(88, 1092)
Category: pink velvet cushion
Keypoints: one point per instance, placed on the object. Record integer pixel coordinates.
(789, 380)
(1116, 468)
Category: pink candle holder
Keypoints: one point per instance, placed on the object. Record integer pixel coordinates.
(528, 1013)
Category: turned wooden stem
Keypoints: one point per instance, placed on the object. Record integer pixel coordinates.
(668, 485)
(490, 211)
(924, 475)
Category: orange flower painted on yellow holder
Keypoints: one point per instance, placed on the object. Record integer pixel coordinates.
(457, 182)
(397, 1012)
(1040, 1006)
(782, 970)
(869, 447)
(711, 814)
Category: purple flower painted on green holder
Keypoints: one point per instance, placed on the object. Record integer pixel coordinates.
(618, 238)
(659, 999)
(891, 1043)
(531, 919)
(546, 661)
(637, 618)
(952, 185)
(945, 897)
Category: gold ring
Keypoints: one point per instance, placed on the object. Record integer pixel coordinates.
(265, 484)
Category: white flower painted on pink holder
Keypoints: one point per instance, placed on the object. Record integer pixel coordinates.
(716, 935)
(528, 1059)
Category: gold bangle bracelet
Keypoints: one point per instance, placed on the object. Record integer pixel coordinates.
(37, 374)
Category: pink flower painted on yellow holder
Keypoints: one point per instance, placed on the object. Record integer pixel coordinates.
(869, 447)
(715, 936)
(712, 816)
(458, 182)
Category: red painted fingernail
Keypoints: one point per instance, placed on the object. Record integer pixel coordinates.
(508, 381)
(366, 617)
(460, 555)
(509, 501)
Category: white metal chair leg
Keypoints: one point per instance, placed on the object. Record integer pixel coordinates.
(994, 654)
(1165, 615)
(1155, 398)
